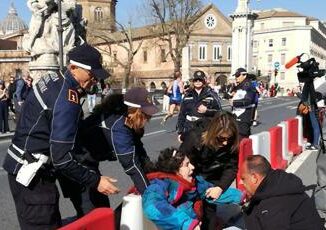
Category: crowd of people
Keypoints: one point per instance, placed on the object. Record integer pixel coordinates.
(187, 187)
(12, 96)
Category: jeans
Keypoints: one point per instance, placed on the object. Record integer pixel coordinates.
(91, 98)
(315, 127)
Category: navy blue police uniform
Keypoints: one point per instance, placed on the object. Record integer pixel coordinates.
(47, 129)
(189, 115)
(243, 106)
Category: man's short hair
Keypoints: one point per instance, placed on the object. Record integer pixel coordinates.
(258, 164)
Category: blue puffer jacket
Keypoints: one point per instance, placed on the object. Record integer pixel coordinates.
(171, 202)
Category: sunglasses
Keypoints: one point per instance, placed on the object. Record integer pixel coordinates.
(223, 139)
(198, 79)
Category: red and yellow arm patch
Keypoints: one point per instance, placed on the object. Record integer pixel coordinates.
(73, 96)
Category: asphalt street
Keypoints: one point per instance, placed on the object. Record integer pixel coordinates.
(157, 137)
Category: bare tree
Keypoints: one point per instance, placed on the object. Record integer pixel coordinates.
(175, 19)
(124, 38)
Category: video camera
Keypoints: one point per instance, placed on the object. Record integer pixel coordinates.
(310, 69)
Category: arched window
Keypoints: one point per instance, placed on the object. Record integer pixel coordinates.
(98, 14)
(152, 86)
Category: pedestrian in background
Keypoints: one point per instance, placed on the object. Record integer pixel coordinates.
(11, 90)
(4, 126)
(91, 97)
(47, 130)
(176, 89)
(277, 200)
(20, 94)
(199, 102)
(107, 90)
(213, 150)
(243, 102)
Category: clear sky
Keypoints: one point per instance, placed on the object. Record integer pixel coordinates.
(127, 9)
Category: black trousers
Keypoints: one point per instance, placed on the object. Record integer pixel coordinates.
(37, 206)
(209, 217)
(84, 199)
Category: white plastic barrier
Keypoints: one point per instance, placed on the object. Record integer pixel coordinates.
(132, 217)
(261, 144)
(300, 130)
(285, 151)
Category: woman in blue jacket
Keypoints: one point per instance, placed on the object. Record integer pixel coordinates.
(173, 198)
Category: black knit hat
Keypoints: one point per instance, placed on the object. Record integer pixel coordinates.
(87, 57)
(139, 98)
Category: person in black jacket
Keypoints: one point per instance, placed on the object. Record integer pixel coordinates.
(277, 200)
(243, 102)
(199, 102)
(213, 150)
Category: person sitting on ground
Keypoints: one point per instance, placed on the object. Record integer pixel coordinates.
(277, 199)
(172, 199)
(213, 149)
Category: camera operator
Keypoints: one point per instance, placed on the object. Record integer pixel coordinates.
(308, 109)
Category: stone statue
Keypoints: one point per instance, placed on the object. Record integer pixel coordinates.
(42, 42)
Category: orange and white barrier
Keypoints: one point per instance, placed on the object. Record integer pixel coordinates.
(293, 129)
(132, 217)
(245, 149)
(278, 146)
(98, 219)
(276, 154)
(260, 144)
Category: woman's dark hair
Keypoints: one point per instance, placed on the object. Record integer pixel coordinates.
(112, 104)
(169, 160)
(222, 122)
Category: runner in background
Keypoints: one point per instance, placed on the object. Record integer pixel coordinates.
(176, 89)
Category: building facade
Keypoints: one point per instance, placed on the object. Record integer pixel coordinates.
(13, 59)
(209, 49)
(99, 13)
(280, 35)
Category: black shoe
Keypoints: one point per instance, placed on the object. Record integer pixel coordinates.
(312, 147)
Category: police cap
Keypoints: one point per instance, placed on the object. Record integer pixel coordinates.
(89, 58)
(199, 75)
(240, 71)
(138, 97)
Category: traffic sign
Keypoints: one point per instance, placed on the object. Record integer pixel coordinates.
(277, 65)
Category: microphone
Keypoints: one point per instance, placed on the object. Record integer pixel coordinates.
(293, 62)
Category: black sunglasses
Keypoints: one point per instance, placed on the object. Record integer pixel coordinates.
(223, 139)
(198, 79)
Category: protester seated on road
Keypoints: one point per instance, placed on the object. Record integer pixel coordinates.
(213, 149)
(277, 200)
(172, 200)
(117, 126)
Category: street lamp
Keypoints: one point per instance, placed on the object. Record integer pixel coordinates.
(60, 31)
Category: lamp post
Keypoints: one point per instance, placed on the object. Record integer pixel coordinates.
(60, 30)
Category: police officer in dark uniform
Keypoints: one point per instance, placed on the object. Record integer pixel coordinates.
(243, 102)
(200, 101)
(43, 144)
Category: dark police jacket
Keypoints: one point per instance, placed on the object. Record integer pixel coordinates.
(192, 101)
(48, 125)
(244, 101)
(106, 137)
(280, 202)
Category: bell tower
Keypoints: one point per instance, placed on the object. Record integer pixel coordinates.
(99, 13)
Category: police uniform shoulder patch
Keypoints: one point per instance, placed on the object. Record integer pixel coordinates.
(73, 96)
